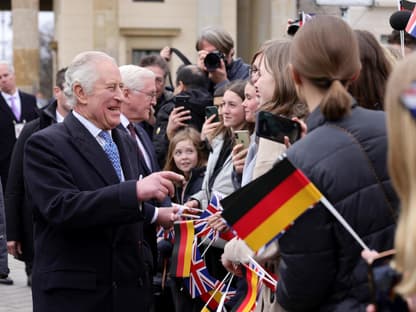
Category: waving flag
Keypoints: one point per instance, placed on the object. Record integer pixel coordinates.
(182, 249)
(411, 24)
(201, 226)
(199, 281)
(247, 303)
(259, 211)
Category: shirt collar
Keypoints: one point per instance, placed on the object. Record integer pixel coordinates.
(93, 129)
(7, 95)
(59, 117)
(124, 121)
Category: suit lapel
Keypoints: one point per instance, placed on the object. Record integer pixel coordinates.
(24, 108)
(6, 108)
(148, 145)
(88, 146)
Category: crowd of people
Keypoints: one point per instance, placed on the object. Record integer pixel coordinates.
(90, 179)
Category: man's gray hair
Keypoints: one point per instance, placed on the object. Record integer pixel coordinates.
(9, 65)
(133, 76)
(218, 37)
(82, 70)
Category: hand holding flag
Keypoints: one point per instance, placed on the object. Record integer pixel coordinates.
(262, 209)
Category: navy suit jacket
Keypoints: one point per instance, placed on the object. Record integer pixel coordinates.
(7, 134)
(88, 225)
(144, 170)
(150, 149)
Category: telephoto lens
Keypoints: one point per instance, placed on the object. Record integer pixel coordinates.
(213, 60)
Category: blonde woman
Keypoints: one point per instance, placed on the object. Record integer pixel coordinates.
(401, 126)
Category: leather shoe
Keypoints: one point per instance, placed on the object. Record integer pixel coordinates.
(5, 280)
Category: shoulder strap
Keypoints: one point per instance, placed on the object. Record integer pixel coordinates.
(370, 164)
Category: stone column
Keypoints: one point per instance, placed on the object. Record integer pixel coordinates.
(261, 20)
(26, 44)
(106, 27)
(209, 13)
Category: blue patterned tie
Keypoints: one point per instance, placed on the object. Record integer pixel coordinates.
(110, 148)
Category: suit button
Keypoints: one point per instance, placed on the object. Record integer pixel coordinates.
(115, 285)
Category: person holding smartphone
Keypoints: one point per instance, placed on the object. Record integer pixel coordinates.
(218, 174)
(187, 108)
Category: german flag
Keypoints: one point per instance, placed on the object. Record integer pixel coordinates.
(263, 208)
(248, 302)
(213, 299)
(182, 249)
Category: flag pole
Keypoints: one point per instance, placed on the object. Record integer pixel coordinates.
(224, 295)
(336, 214)
(401, 32)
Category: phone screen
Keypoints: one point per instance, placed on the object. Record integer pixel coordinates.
(275, 128)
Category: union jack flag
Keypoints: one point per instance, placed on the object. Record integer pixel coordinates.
(201, 226)
(200, 281)
(165, 234)
(269, 280)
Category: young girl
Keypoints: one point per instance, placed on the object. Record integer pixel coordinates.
(187, 156)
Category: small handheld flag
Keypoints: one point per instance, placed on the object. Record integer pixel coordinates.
(266, 206)
(262, 209)
(182, 249)
(411, 24)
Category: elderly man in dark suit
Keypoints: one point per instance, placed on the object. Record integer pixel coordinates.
(81, 176)
(16, 108)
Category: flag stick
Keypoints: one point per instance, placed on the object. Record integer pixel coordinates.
(206, 249)
(336, 214)
(224, 295)
(269, 277)
(205, 238)
(216, 289)
(189, 216)
(399, 7)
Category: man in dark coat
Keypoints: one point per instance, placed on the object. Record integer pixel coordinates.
(18, 208)
(16, 108)
(87, 201)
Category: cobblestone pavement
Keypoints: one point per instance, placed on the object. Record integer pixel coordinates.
(17, 297)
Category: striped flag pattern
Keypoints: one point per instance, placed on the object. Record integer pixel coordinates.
(262, 209)
(182, 249)
(411, 24)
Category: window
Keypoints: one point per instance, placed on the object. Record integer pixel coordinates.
(137, 55)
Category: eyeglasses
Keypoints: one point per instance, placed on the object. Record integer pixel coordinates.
(149, 95)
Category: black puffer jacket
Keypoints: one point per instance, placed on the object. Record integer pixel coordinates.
(321, 268)
(199, 99)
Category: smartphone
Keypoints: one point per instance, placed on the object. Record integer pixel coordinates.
(182, 100)
(242, 137)
(275, 128)
(212, 110)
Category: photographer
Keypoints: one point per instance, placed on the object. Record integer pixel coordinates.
(215, 57)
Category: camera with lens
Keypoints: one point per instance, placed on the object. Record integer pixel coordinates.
(212, 60)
